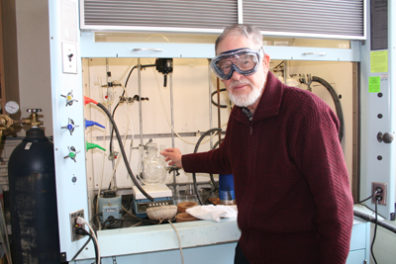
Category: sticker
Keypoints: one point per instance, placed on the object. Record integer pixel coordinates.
(28, 145)
(379, 61)
(374, 84)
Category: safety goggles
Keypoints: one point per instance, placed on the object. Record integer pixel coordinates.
(244, 61)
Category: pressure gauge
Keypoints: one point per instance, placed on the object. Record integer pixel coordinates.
(11, 107)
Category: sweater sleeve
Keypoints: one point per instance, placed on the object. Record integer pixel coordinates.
(320, 157)
(214, 161)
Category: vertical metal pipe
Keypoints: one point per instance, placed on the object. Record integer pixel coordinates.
(285, 70)
(218, 107)
(140, 102)
(210, 103)
(392, 86)
(108, 91)
(172, 110)
(172, 125)
(140, 111)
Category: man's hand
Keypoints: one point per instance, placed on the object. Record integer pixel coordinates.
(173, 155)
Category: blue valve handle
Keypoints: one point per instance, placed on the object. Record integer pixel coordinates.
(70, 126)
(89, 123)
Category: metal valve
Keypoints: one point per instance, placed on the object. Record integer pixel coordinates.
(386, 138)
(70, 126)
(5, 123)
(72, 153)
(33, 118)
(69, 98)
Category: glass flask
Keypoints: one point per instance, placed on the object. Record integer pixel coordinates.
(154, 165)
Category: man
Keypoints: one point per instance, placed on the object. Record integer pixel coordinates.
(281, 144)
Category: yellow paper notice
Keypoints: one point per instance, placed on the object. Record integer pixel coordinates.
(379, 61)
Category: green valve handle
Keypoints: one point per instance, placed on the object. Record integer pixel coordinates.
(72, 153)
(92, 145)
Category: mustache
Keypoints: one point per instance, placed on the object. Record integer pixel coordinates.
(234, 84)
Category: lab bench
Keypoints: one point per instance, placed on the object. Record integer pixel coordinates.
(201, 242)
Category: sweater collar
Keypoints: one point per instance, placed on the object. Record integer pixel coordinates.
(269, 104)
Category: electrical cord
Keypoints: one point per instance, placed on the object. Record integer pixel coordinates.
(81, 221)
(374, 220)
(178, 240)
(85, 244)
(111, 223)
(96, 247)
(368, 198)
(370, 218)
(375, 232)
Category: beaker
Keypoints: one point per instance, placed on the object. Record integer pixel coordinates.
(154, 165)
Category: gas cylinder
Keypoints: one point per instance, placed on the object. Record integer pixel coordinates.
(34, 222)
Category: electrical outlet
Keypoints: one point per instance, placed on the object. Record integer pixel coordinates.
(74, 225)
(382, 195)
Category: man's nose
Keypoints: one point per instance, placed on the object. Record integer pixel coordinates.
(236, 76)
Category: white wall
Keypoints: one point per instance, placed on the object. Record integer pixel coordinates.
(33, 58)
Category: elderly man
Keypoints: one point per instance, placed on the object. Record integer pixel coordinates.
(291, 183)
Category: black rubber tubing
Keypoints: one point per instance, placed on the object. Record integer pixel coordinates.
(208, 132)
(124, 156)
(213, 102)
(336, 101)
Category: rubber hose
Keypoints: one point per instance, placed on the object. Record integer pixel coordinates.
(124, 156)
(336, 101)
(123, 93)
(195, 151)
(210, 174)
(212, 180)
(118, 103)
(213, 102)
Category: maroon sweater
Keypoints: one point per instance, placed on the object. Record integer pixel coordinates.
(291, 183)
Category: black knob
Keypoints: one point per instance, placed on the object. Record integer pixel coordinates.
(386, 138)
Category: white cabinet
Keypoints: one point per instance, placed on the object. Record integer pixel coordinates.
(202, 242)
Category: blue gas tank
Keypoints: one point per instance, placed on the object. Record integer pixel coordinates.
(31, 173)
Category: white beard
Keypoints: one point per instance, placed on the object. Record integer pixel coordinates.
(245, 100)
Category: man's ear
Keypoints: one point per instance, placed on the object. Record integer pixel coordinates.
(266, 60)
